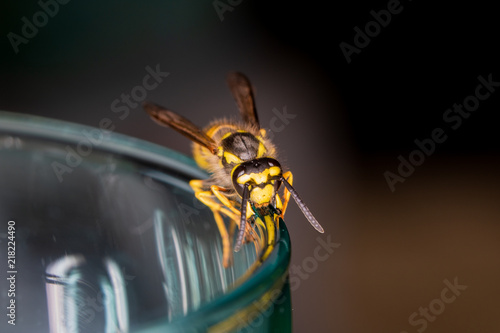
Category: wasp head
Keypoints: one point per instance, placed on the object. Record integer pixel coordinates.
(261, 177)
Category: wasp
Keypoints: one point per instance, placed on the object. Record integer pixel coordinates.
(242, 161)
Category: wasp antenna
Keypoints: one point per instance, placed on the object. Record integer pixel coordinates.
(243, 219)
(307, 213)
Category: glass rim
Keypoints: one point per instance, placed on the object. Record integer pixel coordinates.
(270, 274)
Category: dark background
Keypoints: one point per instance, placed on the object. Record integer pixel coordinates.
(352, 121)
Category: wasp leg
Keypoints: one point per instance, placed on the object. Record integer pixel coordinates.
(224, 206)
(206, 197)
(198, 187)
(217, 191)
(271, 236)
(260, 241)
(286, 194)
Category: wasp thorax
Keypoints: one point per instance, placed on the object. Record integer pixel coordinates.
(261, 176)
(240, 146)
(243, 145)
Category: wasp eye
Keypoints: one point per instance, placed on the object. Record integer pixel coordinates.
(272, 162)
(239, 171)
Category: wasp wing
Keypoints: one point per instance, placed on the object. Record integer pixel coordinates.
(243, 94)
(171, 119)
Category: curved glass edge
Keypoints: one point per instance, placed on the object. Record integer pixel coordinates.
(220, 315)
(119, 143)
(260, 292)
(275, 267)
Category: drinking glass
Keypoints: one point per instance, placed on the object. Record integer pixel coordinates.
(100, 232)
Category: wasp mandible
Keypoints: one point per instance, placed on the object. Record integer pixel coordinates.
(245, 174)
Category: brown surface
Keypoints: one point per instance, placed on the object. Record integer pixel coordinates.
(398, 248)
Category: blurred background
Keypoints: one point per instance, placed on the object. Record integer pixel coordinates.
(346, 90)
